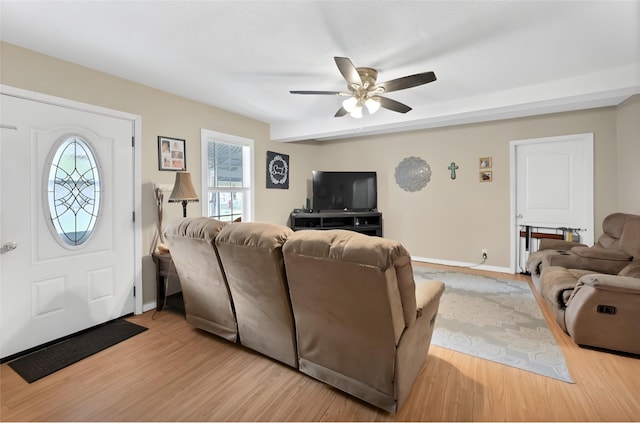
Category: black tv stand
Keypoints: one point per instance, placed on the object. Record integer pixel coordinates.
(365, 222)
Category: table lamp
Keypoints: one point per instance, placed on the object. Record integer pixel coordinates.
(183, 191)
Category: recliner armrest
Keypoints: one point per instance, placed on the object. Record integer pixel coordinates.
(625, 284)
(428, 295)
(601, 253)
(557, 244)
(572, 260)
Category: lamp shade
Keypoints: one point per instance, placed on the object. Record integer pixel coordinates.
(372, 105)
(183, 191)
(357, 112)
(349, 104)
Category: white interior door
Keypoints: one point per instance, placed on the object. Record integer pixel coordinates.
(553, 187)
(56, 281)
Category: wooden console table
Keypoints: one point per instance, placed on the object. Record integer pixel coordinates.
(164, 270)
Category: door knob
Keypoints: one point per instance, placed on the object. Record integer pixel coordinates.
(9, 246)
(519, 216)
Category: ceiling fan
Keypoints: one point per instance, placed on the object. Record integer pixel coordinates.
(365, 92)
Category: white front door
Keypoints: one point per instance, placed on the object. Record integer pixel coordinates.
(553, 187)
(70, 266)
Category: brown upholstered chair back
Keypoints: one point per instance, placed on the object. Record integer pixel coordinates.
(630, 238)
(251, 254)
(207, 300)
(352, 296)
(621, 231)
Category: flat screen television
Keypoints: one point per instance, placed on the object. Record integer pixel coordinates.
(347, 191)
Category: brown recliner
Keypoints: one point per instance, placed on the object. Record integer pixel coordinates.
(615, 249)
(251, 254)
(207, 300)
(363, 325)
(594, 292)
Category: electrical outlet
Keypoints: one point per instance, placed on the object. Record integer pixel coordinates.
(484, 254)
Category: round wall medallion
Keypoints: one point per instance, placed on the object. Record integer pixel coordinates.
(413, 174)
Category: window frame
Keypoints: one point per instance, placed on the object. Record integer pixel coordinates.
(248, 192)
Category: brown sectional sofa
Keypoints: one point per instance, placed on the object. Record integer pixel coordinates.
(339, 306)
(594, 292)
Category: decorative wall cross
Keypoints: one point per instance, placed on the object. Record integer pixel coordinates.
(452, 167)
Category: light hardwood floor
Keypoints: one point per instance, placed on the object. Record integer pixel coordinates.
(173, 372)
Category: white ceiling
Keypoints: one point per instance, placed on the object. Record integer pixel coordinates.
(493, 59)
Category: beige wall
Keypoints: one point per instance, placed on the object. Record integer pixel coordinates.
(449, 220)
(162, 114)
(453, 220)
(629, 155)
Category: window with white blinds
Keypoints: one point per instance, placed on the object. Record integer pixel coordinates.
(227, 177)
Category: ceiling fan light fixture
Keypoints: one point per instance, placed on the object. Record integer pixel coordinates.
(372, 105)
(365, 92)
(350, 104)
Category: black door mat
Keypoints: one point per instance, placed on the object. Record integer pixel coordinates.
(50, 359)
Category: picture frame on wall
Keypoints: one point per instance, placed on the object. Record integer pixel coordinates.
(172, 154)
(485, 162)
(486, 176)
(277, 170)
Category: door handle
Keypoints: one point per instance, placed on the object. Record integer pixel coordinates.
(519, 216)
(9, 246)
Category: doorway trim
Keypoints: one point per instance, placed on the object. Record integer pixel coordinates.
(514, 236)
(136, 124)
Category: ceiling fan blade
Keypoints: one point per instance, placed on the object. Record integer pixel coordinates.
(348, 70)
(341, 112)
(317, 92)
(393, 105)
(408, 81)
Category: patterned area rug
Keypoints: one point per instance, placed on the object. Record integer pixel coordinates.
(494, 319)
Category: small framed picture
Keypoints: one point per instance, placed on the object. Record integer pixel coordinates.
(171, 154)
(485, 162)
(486, 176)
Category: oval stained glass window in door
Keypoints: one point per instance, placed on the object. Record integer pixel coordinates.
(73, 191)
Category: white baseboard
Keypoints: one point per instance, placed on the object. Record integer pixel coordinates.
(462, 264)
(148, 306)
